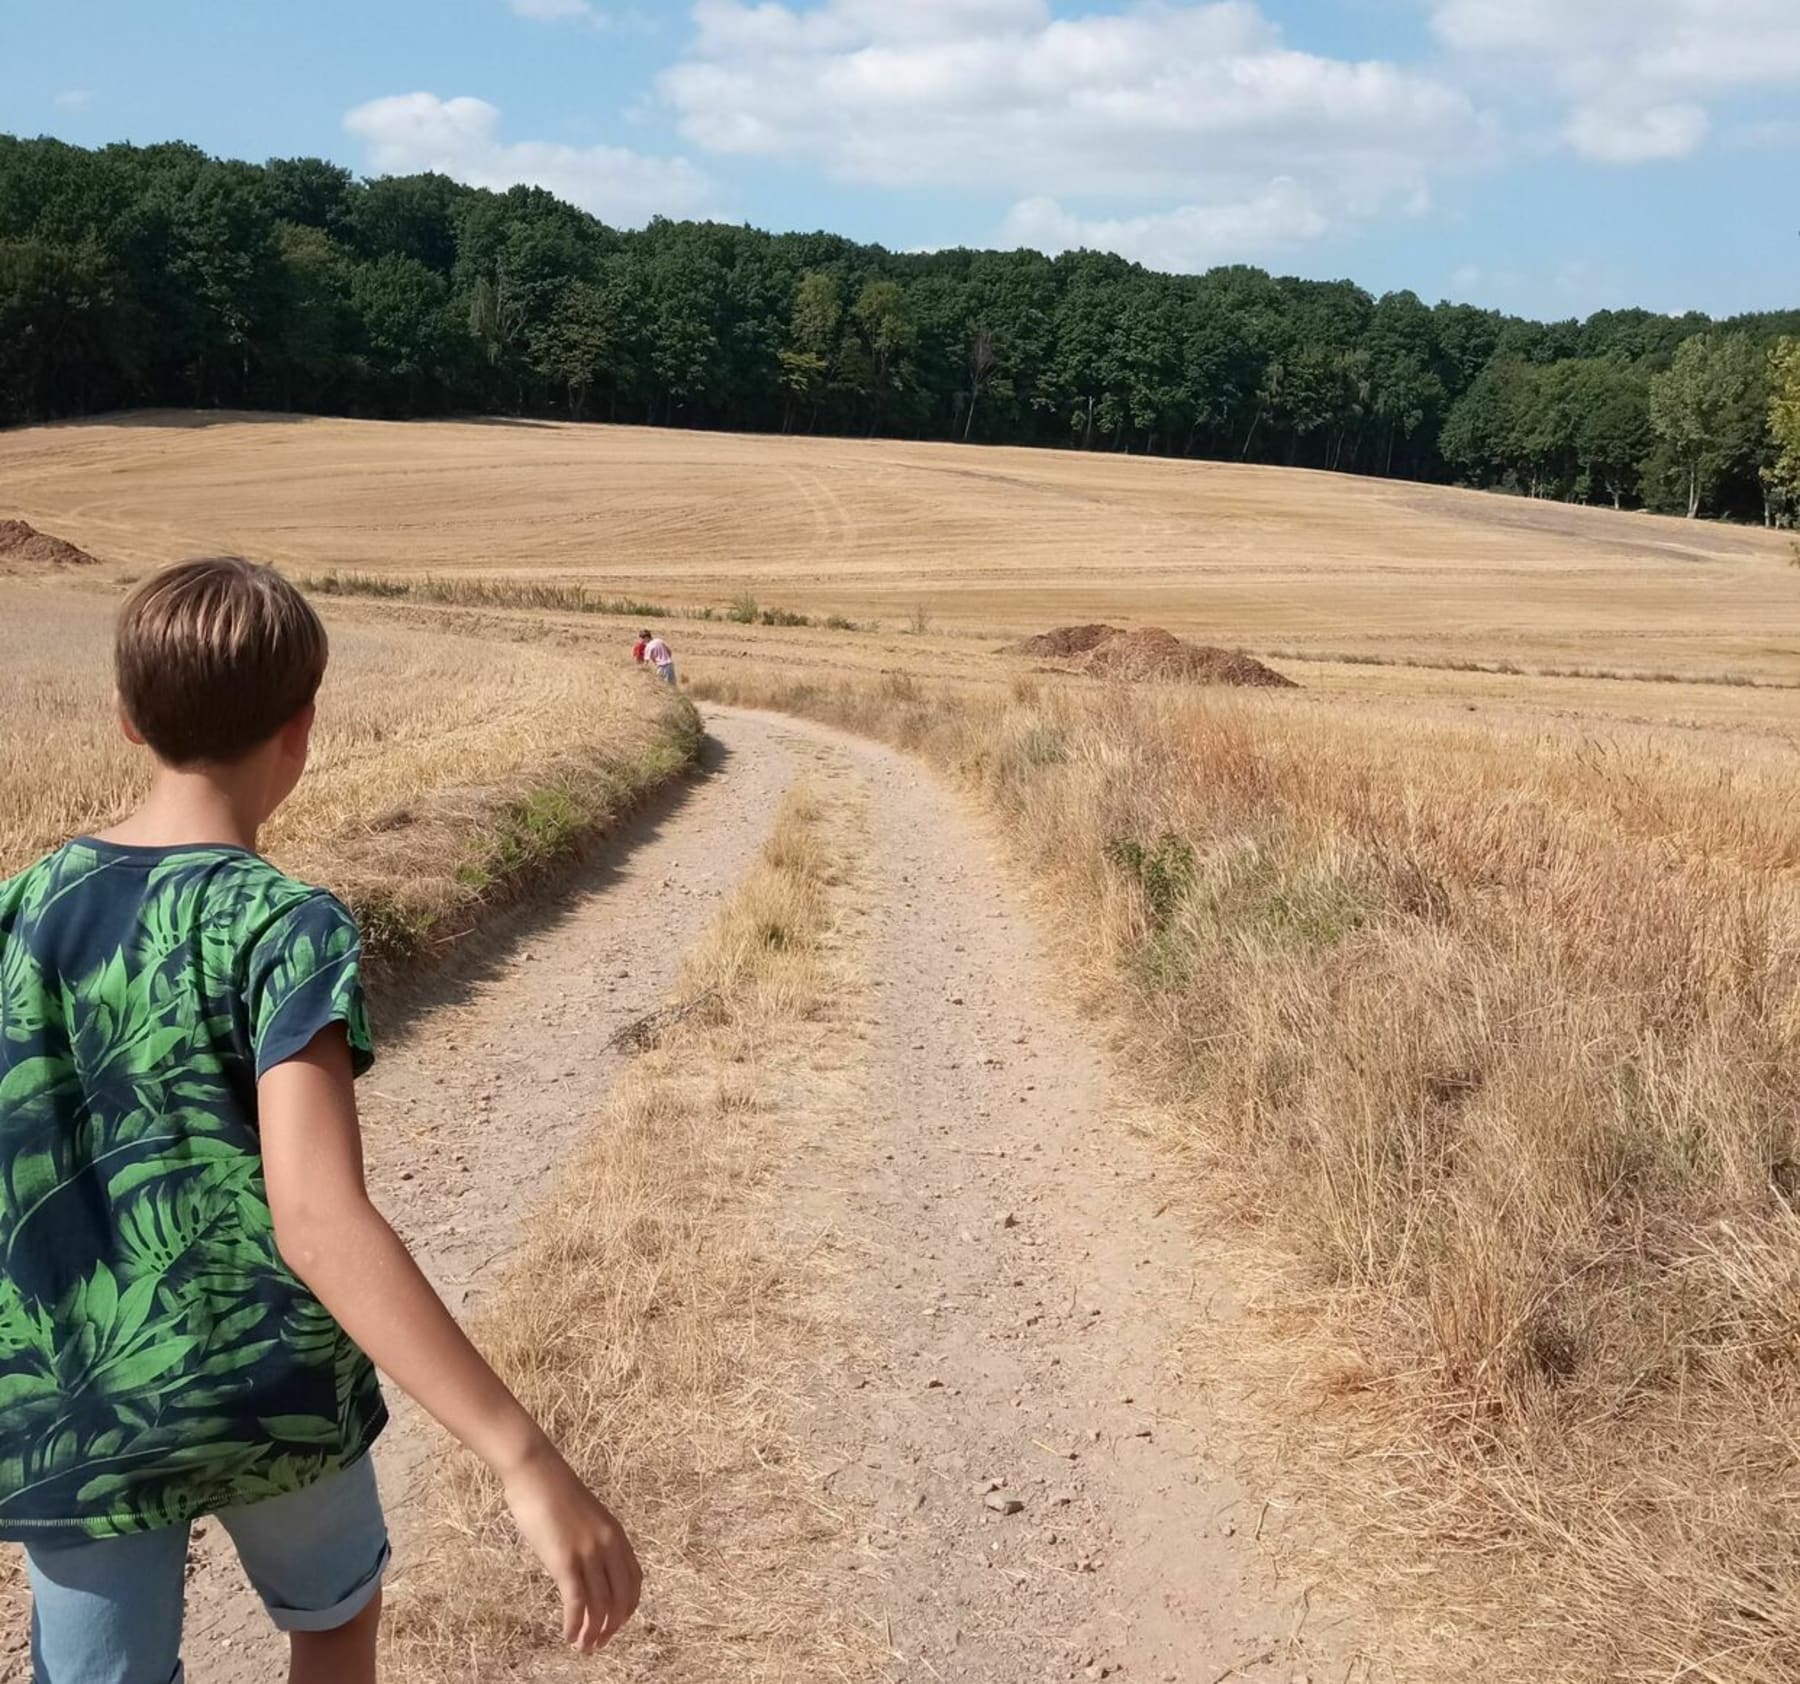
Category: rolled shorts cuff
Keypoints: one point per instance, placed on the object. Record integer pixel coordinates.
(340, 1613)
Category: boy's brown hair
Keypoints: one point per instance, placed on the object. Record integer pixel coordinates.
(214, 657)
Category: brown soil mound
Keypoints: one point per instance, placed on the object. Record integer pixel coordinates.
(22, 546)
(1064, 642)
(1155, 653)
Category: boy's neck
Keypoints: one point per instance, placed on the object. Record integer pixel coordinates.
(188, 808)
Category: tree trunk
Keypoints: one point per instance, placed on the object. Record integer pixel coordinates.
(968, 426)
(1250, 437)
(1693, 492)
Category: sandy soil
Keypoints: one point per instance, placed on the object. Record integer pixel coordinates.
(999, 540)
(1036, 1492)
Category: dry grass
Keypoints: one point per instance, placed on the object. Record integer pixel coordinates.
(927, 538)
(657, 1318)
(445, 771)
(1488, 1046)
(464, 590)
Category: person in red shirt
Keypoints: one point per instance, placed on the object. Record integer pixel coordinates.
(638, 648)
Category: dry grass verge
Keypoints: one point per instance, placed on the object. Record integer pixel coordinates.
(446, 772)
(553, 596)
(1488, 1045)
(656, 1319)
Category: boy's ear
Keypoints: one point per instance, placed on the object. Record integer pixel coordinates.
(297, 733)
(131, 733)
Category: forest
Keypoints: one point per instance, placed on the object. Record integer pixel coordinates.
(149, 276)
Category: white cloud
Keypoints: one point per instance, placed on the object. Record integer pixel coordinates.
(1635, 74)
(75, 99)
(409, 133)
(1218, 137)
(1192, 237)
(1614, 136)
(551, 11)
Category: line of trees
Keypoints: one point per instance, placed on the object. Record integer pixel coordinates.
(134, 276)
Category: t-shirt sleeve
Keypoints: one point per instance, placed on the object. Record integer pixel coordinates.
(305, 974)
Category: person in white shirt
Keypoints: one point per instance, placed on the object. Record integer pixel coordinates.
(656, 652)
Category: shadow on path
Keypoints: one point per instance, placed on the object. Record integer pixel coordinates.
(401, 998)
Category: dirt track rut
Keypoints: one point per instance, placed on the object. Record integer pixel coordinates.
(1034, 1492)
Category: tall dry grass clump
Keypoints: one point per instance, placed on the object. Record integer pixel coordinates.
(1490, 1044)
(656, 1320)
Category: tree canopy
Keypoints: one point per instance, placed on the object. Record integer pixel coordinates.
(134, 276)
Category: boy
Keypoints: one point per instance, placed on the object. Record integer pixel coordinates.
(638, 648)
(658, 654)
(191, 1271)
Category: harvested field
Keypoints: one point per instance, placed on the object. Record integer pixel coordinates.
(993, 542)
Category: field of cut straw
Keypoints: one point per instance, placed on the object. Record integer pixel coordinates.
(1483, 1046)
(991, 540)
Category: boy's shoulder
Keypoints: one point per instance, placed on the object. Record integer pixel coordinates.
(228, 889)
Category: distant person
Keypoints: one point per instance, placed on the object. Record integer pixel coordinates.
(638, 648)
(194, 1284)
(657, 653)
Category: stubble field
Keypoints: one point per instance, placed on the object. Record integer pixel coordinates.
(982, 541)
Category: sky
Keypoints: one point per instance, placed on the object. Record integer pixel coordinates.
(1549, 157)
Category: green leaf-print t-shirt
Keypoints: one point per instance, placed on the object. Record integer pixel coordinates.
(158, 1361)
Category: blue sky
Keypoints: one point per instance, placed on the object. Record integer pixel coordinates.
(1546, 156)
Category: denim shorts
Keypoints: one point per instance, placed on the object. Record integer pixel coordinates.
(108, 1610)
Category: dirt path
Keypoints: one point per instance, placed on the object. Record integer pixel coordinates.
(1035, 1493)
(1022, 1292)
(470, 1109)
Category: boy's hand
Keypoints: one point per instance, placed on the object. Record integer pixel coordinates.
(583, 1548)
(335, 1240)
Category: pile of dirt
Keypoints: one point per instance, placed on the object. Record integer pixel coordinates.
(1064, 642)
(1155, 653)
(23, 547)
(1151, 653)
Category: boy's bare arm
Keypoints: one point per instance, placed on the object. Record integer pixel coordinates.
(332, 1236)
